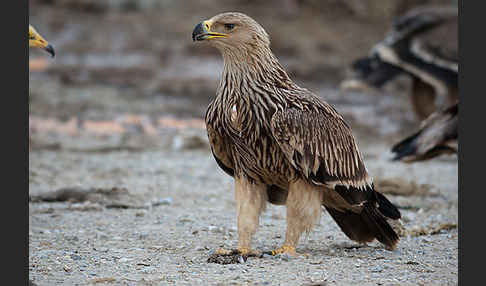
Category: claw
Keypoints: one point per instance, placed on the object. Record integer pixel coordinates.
(285, 249)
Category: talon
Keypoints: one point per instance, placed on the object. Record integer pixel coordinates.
(285, 249)
(248, 252)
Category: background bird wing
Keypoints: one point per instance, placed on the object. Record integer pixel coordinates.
(438, 133)
(438, 46)
(319, 144)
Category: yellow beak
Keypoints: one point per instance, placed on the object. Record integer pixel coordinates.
(37, 41)
(202, 32)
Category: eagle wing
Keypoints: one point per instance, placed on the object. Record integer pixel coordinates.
(220, 153)
(318, 142)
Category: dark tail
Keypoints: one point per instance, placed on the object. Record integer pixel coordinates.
(386, 207)
(370, 224)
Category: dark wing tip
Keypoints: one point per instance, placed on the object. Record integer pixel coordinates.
(405, 148)
(387, 208)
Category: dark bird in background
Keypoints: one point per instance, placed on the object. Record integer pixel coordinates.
(437, 136)
(284, 145)
(423, 44)
(37, 41)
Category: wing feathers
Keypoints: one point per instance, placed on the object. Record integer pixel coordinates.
(321, 147)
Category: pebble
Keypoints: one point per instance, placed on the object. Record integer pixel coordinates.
(376, 269)
(75, 257)
(140, 213)
(101, 235)
(215, 229)
(143, 235)
(72, 238)
(284, 257)
(162, 202)
(124, 259)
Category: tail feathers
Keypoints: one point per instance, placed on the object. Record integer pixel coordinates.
(366, 226)
(383, 232)
(386, 208)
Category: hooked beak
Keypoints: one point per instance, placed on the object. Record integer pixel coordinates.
(202, 32)
(37, 41)
(50, 49)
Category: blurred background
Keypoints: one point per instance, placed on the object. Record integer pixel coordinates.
(129, 67)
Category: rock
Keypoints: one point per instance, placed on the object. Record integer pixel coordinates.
(162, 202)
(140, 213)
(376, 269)
(75, 257)
(124, 260)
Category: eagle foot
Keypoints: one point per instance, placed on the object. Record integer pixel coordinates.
(233, 256)
(285, 249)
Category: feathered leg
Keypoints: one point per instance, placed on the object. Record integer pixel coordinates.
(251, 199)
(303, 211)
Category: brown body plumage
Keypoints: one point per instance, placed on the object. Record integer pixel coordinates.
(437, 135)
(423, 43)
(283, 144)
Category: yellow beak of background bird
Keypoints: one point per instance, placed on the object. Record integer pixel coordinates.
(202, 32)
(37, 41)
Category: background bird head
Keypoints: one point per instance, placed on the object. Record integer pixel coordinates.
(37, 41)
(231, 30)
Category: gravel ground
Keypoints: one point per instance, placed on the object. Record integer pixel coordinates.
(181, 208)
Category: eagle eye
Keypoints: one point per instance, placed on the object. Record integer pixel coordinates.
(229, 26)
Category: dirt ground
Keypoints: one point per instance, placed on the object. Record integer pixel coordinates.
(116, 129)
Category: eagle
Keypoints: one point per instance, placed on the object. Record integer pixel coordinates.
(422, 43)
(284, 145)
(37, 41)
(437, 136)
